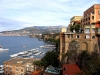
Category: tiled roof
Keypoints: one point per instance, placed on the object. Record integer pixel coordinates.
(71, 69)
(37, 72)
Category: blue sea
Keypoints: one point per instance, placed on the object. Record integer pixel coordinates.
(17, 44)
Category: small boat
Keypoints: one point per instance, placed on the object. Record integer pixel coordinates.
(42, 53)
(1, 49)
(1, 69)
(32, 56)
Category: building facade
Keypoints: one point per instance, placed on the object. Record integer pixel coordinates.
(19, 66)
(91, 15)
(90, 37)
(75, 18)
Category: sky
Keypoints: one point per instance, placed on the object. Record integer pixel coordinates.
(17, 14)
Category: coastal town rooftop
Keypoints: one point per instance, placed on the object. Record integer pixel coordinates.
(20, 61)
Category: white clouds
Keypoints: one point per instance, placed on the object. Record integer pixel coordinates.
(43, 12)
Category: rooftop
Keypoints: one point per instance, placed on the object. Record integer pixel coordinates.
(71, 69)
(19, 61)
(37, 72)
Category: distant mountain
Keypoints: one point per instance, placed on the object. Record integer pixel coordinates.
(35, 30)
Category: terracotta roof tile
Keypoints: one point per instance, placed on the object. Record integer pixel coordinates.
(71, 69)
(37, 72)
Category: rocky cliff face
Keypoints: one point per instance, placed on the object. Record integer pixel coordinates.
(74, 45)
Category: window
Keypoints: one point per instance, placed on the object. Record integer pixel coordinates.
(93, 30)
(87, 36)
(68, 36)
(99, 12)
(87, 30)
(77, 36)
(92, 17)
(98, 29)
(21, 70)
(93, 37)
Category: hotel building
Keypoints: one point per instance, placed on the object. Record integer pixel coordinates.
(90, 37)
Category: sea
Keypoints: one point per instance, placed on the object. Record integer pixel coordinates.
(17, 44)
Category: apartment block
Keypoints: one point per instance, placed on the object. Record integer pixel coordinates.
(19, 66)
(91, 15)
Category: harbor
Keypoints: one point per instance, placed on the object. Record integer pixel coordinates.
(22, 47)
(28, 54)
(32, 53)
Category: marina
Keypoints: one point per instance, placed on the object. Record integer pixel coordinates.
(22, 47)
(29, 53)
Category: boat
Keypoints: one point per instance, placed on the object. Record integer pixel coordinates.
(42, 53)
(1, 69)
(32, 56)
(1, 49)
(50, 45)
(47, 47)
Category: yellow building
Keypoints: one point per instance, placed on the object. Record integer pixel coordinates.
(19, 66)
(75, 18)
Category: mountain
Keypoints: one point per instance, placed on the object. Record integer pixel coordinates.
(34, 30)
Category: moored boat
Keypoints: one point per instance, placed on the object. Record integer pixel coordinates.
(1, 49)
(1, 69)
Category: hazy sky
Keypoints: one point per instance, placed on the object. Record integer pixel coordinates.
(16, 14)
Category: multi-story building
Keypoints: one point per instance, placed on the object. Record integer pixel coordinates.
(19, 66)
(90, 37)
(91, 15)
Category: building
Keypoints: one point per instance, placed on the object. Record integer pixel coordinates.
(71, 69)
(86, 41)
(73, 20)
(63, 29)
(97, 32)
(19, 66)
(91, 15)
(89, 38)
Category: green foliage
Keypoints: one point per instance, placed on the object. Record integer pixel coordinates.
(89, 63)
(77, 28)
(51, 58)
(72, 28)
(38, 63)
(53, 40)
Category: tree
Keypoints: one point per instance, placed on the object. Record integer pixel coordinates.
(89, 63)
(72, 28)
(51, 58)
(38, 63)
(77, 28)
